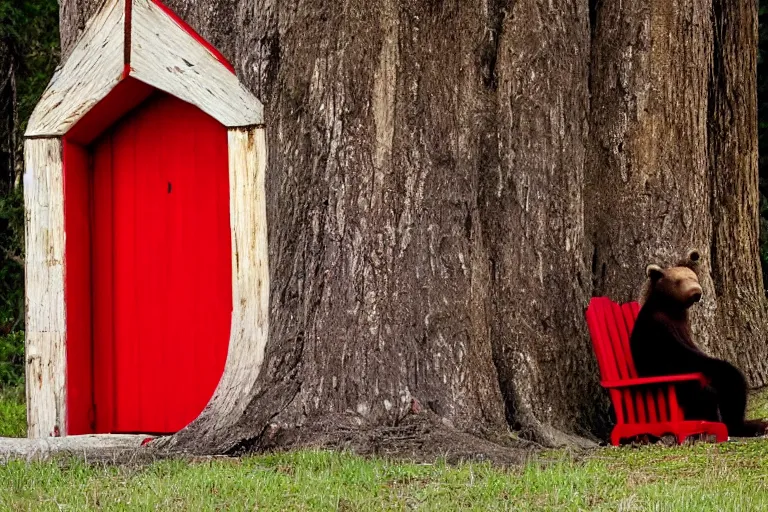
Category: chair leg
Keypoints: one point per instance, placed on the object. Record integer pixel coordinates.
(720, 431)
(679, 431)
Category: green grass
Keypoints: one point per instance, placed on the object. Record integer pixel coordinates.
(730, 477)
(13, 413)
(758, 404)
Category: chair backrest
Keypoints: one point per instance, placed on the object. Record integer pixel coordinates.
(610, 327)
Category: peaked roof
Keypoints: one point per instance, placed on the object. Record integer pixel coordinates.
(146, 41)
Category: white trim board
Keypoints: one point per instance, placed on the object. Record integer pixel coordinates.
(163, 54)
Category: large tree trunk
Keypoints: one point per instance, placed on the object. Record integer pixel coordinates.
(439, 184)
(534, 219)
(733, 168)
(648, 192)
(375, 249)
(672, 160)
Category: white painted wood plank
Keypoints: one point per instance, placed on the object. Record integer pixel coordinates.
(165, 56)
(93, 68)
(250, 275)
(44, 276)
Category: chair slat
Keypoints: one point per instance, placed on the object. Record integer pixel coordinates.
(650, 406)
(615, 341)
(635, 407)
(600, 323)
(606, 357)
(662, 403)
(630, 310)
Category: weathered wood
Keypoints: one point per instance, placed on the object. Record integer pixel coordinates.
(90, 447)
(165, 56)
(86, 77)
(250, 268)
(162, 54)
(46, 326)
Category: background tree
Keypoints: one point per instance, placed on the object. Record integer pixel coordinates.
(762, 113)
(674, 159)
(449, 182)
(29, 42)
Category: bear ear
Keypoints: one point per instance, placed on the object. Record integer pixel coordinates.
(654, 272)
(692, 260)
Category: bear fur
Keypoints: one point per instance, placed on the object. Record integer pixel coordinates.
(662, 344)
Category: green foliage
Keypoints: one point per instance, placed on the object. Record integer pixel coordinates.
(12, 360)
(11, 269)
(13, 412)
(11, 290)
(30, 28)
(29, 38)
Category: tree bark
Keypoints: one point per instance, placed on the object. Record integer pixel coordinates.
(672, 161)
(376, 249)
(647, 181)
(443, 198)
(733, 167)
(73, 15)
(534, 217)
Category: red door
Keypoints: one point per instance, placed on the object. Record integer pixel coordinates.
(161, 267)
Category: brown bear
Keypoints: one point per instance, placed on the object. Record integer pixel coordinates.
(662, 344)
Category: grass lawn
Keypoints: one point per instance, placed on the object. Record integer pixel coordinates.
(13, 413)
(729, 476)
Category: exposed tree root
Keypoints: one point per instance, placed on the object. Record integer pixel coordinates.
(420, 438)
(550, 437)
(420, 435)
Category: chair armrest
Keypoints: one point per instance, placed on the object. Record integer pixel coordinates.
(663, 379)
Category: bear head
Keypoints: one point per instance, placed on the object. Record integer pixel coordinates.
(677, 286)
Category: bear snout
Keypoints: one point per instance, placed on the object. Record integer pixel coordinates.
(694, 294)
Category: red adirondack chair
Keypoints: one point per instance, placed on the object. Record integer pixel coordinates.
(644, 406)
